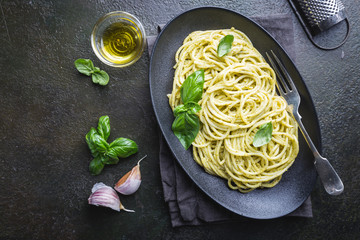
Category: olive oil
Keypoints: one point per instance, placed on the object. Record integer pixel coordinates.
(121, 42)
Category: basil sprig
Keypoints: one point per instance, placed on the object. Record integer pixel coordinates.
(103, 127)
(225, 45)
(263, 135)
(103, 152)
(192, 88)
(86, 66)
(187, 124)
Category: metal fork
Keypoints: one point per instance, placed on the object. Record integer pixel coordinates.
(330, 179)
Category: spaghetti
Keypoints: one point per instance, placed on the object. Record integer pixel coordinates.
(239, 96)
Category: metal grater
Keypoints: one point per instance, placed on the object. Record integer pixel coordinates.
(319, 15)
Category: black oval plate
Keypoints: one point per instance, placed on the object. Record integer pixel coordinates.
(298, 182)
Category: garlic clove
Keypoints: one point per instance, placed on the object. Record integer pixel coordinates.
(105, 196)
(131, 181)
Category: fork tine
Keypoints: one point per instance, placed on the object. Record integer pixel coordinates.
(279, 77)
(285, 72)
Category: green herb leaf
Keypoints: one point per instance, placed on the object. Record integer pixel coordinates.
(186, 124)
(100, 77)
(103, 152)
(192, 107)
(122, 147)
(263, 135)
(99, 143)
(192, 88)
(84, 66)
(185, 127)
(103, 128)
(91, 145)
(97, 165)
(180, 109)
(111, 160)
(225, 45)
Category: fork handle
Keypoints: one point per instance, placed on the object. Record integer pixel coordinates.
(328, 176)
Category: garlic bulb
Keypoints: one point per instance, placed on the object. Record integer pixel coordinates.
(130, 182)
(105, 196)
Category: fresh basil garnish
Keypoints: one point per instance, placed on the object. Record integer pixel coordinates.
(185, 127)
(103, 152)
(192, 88)
(190, 107)
(225, 45)
(111, 160)
(90, 143)
(100, 143)
(186, 124)
(86, 66)
(123, 147)
(263, 135)
(179, 109)
(96, 165)
(104, 127)
(100, 77)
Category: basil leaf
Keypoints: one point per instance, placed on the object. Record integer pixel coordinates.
(84, 66)
(225, 45)
(111, 160)
(192, 107)
(185, 127)
(122, 147)
(192, 88)
(186, 124)
(179, 109)
(91, 145)
(100, 77)
(103, 128)
(96, 165)
(99, 143)
(263, 135)
(112, 154)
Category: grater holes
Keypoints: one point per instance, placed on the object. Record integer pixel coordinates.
(317, 11)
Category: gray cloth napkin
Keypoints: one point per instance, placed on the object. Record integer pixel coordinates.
(188, 205)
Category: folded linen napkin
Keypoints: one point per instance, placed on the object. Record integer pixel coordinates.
(188, 205)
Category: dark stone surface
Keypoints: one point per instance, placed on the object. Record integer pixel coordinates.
(47, 107)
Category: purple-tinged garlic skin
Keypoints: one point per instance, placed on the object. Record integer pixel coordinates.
(131, 181)
(130, 186)
(105, 196)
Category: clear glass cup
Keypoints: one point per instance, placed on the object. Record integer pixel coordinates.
(118, 39)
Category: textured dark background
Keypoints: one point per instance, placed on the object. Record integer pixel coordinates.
(46, 108)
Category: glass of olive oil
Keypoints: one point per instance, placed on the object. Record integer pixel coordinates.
(118, 39)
